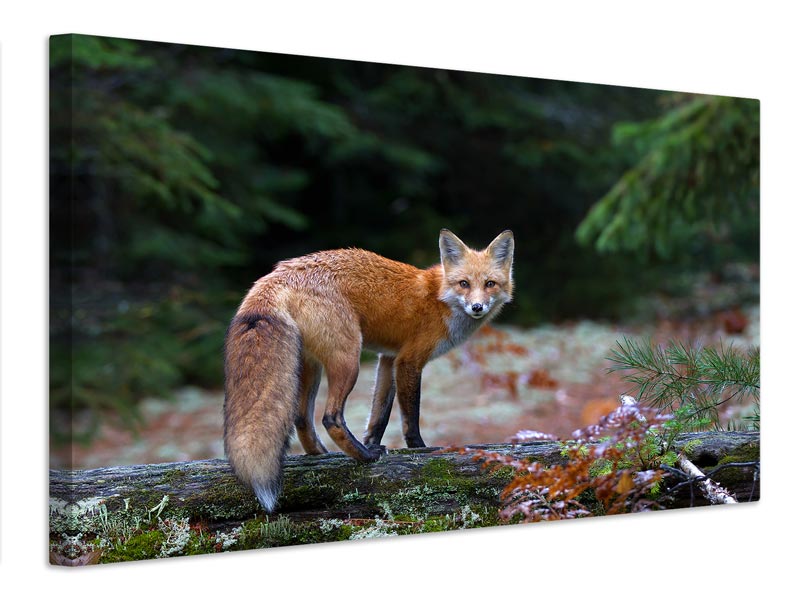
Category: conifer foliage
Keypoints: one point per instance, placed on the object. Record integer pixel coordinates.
(695, 381)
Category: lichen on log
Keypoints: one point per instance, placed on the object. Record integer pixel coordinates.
(405, 485)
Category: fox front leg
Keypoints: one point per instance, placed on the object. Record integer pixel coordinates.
(382, 400)
(408, 377)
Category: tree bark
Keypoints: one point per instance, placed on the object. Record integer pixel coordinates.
(333, 485)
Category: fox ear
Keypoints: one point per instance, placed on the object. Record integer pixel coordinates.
(502, 249)
(451, 249)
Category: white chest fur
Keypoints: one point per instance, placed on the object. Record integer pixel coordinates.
(459, 326)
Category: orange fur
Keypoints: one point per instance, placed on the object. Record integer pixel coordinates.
(315, 313)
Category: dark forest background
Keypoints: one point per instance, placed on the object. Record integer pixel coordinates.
(181, 174)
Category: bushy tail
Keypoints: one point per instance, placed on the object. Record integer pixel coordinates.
(262, 373)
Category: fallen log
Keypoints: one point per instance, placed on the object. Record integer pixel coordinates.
(137, 512)
(335, 486)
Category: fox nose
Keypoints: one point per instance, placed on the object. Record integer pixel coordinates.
(477, 307)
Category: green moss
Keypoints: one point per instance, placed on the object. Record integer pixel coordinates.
(466, 518)
(490, 516)
(309, 488)
(311, 533)
(226, 502)
(301, 496)
(200, 544)
(269, 532)
(437, 468)
(744, 453)
(438, 497)
(738, 476)
(437, 488)
(139, 547)
(251, 536)
(173, 475)
(437, 523)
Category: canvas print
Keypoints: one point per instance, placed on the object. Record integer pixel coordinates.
(298, 300)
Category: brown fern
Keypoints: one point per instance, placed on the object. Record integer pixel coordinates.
(600, 463)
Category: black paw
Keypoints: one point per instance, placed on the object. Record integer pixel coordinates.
(376, 450)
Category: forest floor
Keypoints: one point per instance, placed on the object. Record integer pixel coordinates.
(553, 378)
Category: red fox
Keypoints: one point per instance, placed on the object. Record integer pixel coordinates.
(317, 312)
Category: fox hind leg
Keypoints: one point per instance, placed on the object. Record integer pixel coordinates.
(310, 377)
(342, 372)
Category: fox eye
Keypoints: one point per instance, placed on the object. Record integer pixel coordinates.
(490, 284)
(464, 283)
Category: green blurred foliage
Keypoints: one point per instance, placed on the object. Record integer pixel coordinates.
(696, 177)
(181, 174)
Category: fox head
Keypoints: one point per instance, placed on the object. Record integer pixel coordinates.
(478, 282)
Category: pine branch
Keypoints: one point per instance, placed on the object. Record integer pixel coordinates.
(699, 379)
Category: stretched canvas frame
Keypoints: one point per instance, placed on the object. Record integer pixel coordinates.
(168, 509)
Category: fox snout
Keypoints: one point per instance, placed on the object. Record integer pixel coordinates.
(476, 310)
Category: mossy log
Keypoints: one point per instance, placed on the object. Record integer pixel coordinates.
(429, 480)
(137, 512)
